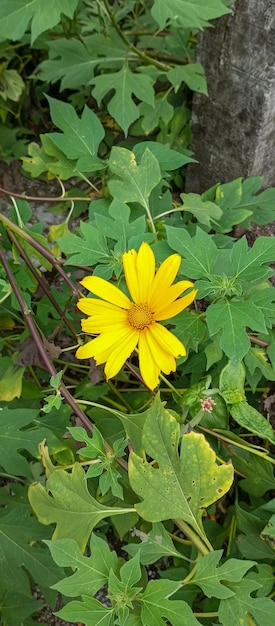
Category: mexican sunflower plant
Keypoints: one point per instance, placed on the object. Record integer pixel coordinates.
(124, 323)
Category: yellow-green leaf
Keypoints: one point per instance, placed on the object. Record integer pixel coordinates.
(178, 485)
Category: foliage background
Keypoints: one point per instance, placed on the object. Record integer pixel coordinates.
(104, 483)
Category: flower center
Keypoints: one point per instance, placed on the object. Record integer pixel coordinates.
(140, 316)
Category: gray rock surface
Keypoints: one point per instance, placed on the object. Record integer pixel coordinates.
(234, 129)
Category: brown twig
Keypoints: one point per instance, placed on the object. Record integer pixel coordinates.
(23, 196)
(46, 360)
(43, 284)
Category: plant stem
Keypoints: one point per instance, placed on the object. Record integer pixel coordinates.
(142, 55)
(57, 199)
(204, 547)
(43, 284)
(46, 360)
(10, 226)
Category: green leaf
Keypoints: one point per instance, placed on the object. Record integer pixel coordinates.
(74, 511)
(154, 545)
(81, 136)
(19, 532)
(247, 262)
(89, 248)
(16, 16)
(232, 317)
(261, 205)
(205, 212)
(208, 575)
(190, 329)
(74, 61)
(263, 299)
(192, 75)
(134, 182)
(265, 577)
(236, 609)
(199, 253)
(188, 13)
(14, 438)
(89, 612)
(118, 227)
(259, 474)
(157, 608)
(168, 159)
(152, 115)
(90, 573)
(16, 607)
(248, 417)
(125, 83)
(181, 485)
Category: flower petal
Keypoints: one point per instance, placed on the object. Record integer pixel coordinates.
(167, 340)
(163, 279)
(149, 369)
(172, 293)
(105, 290)
(93, 306)
(121, 353)
(129, 260)
(164, 359)
(176, 307)
(100, 347)
(100, 324)
(145, 271)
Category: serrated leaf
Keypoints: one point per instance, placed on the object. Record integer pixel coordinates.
(152, 114)
(118, 226)
(181, 485)
(248, 417)
(199, 253)
(89, 612)
(13, 438)
(74, 511)
(259, 474)
(157, 608)
(125, 83)
(19, 532)
(134, 182)
(154, 545)
(81, 136)
(232, 317)
(16, 607)
(261, 205)
(242, 604)
(16, 16)
(208, 575)
(188, 13)
(87, 249)
(204, 211)
(247, 262)
(192, 75)
(190, 329)
(90, 573)
(168, 159)
(74, 61)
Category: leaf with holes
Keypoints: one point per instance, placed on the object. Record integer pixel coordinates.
(133, 182)
(182, 484)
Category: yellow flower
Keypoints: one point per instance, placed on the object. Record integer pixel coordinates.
(123, 324)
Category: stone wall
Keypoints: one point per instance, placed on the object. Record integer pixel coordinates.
(234, 128)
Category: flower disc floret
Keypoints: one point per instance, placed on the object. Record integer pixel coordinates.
(124, 323)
